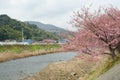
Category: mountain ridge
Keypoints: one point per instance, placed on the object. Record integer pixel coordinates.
(47, 27)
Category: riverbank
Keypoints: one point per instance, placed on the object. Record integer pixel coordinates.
(72, 69)
(76, 69)
(22, 51)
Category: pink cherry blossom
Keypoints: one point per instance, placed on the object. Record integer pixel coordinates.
(97, 32)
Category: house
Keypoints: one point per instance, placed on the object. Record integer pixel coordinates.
(63, 41)
(28, 41)
(49, 41)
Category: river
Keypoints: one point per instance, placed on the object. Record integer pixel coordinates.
(20, 68)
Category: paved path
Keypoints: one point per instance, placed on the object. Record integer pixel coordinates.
(112, 74)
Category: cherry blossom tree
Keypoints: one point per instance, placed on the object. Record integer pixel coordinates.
(97, 31)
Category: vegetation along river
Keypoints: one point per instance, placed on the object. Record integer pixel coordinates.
(20, 68)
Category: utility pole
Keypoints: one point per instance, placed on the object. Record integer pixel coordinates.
(22, 35)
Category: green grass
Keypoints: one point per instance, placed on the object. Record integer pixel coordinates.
(22, 48)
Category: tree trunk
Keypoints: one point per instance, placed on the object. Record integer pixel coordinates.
(113, 55)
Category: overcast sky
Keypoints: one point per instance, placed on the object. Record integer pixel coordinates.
(56, 12)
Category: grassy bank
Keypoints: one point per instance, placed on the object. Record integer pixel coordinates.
(9, 52)
(104, 65)
(21, 48)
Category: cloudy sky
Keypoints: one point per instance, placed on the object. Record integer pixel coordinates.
(55, 12)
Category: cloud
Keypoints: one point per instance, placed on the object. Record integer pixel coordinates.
(55, 12)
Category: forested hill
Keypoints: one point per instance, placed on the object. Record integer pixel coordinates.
(11, 29)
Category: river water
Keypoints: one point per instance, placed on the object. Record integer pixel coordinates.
(20, 68)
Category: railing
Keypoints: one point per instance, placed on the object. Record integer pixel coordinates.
(14, 43)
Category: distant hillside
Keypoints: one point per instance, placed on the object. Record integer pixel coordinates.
(49, 27)
(12, 29)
